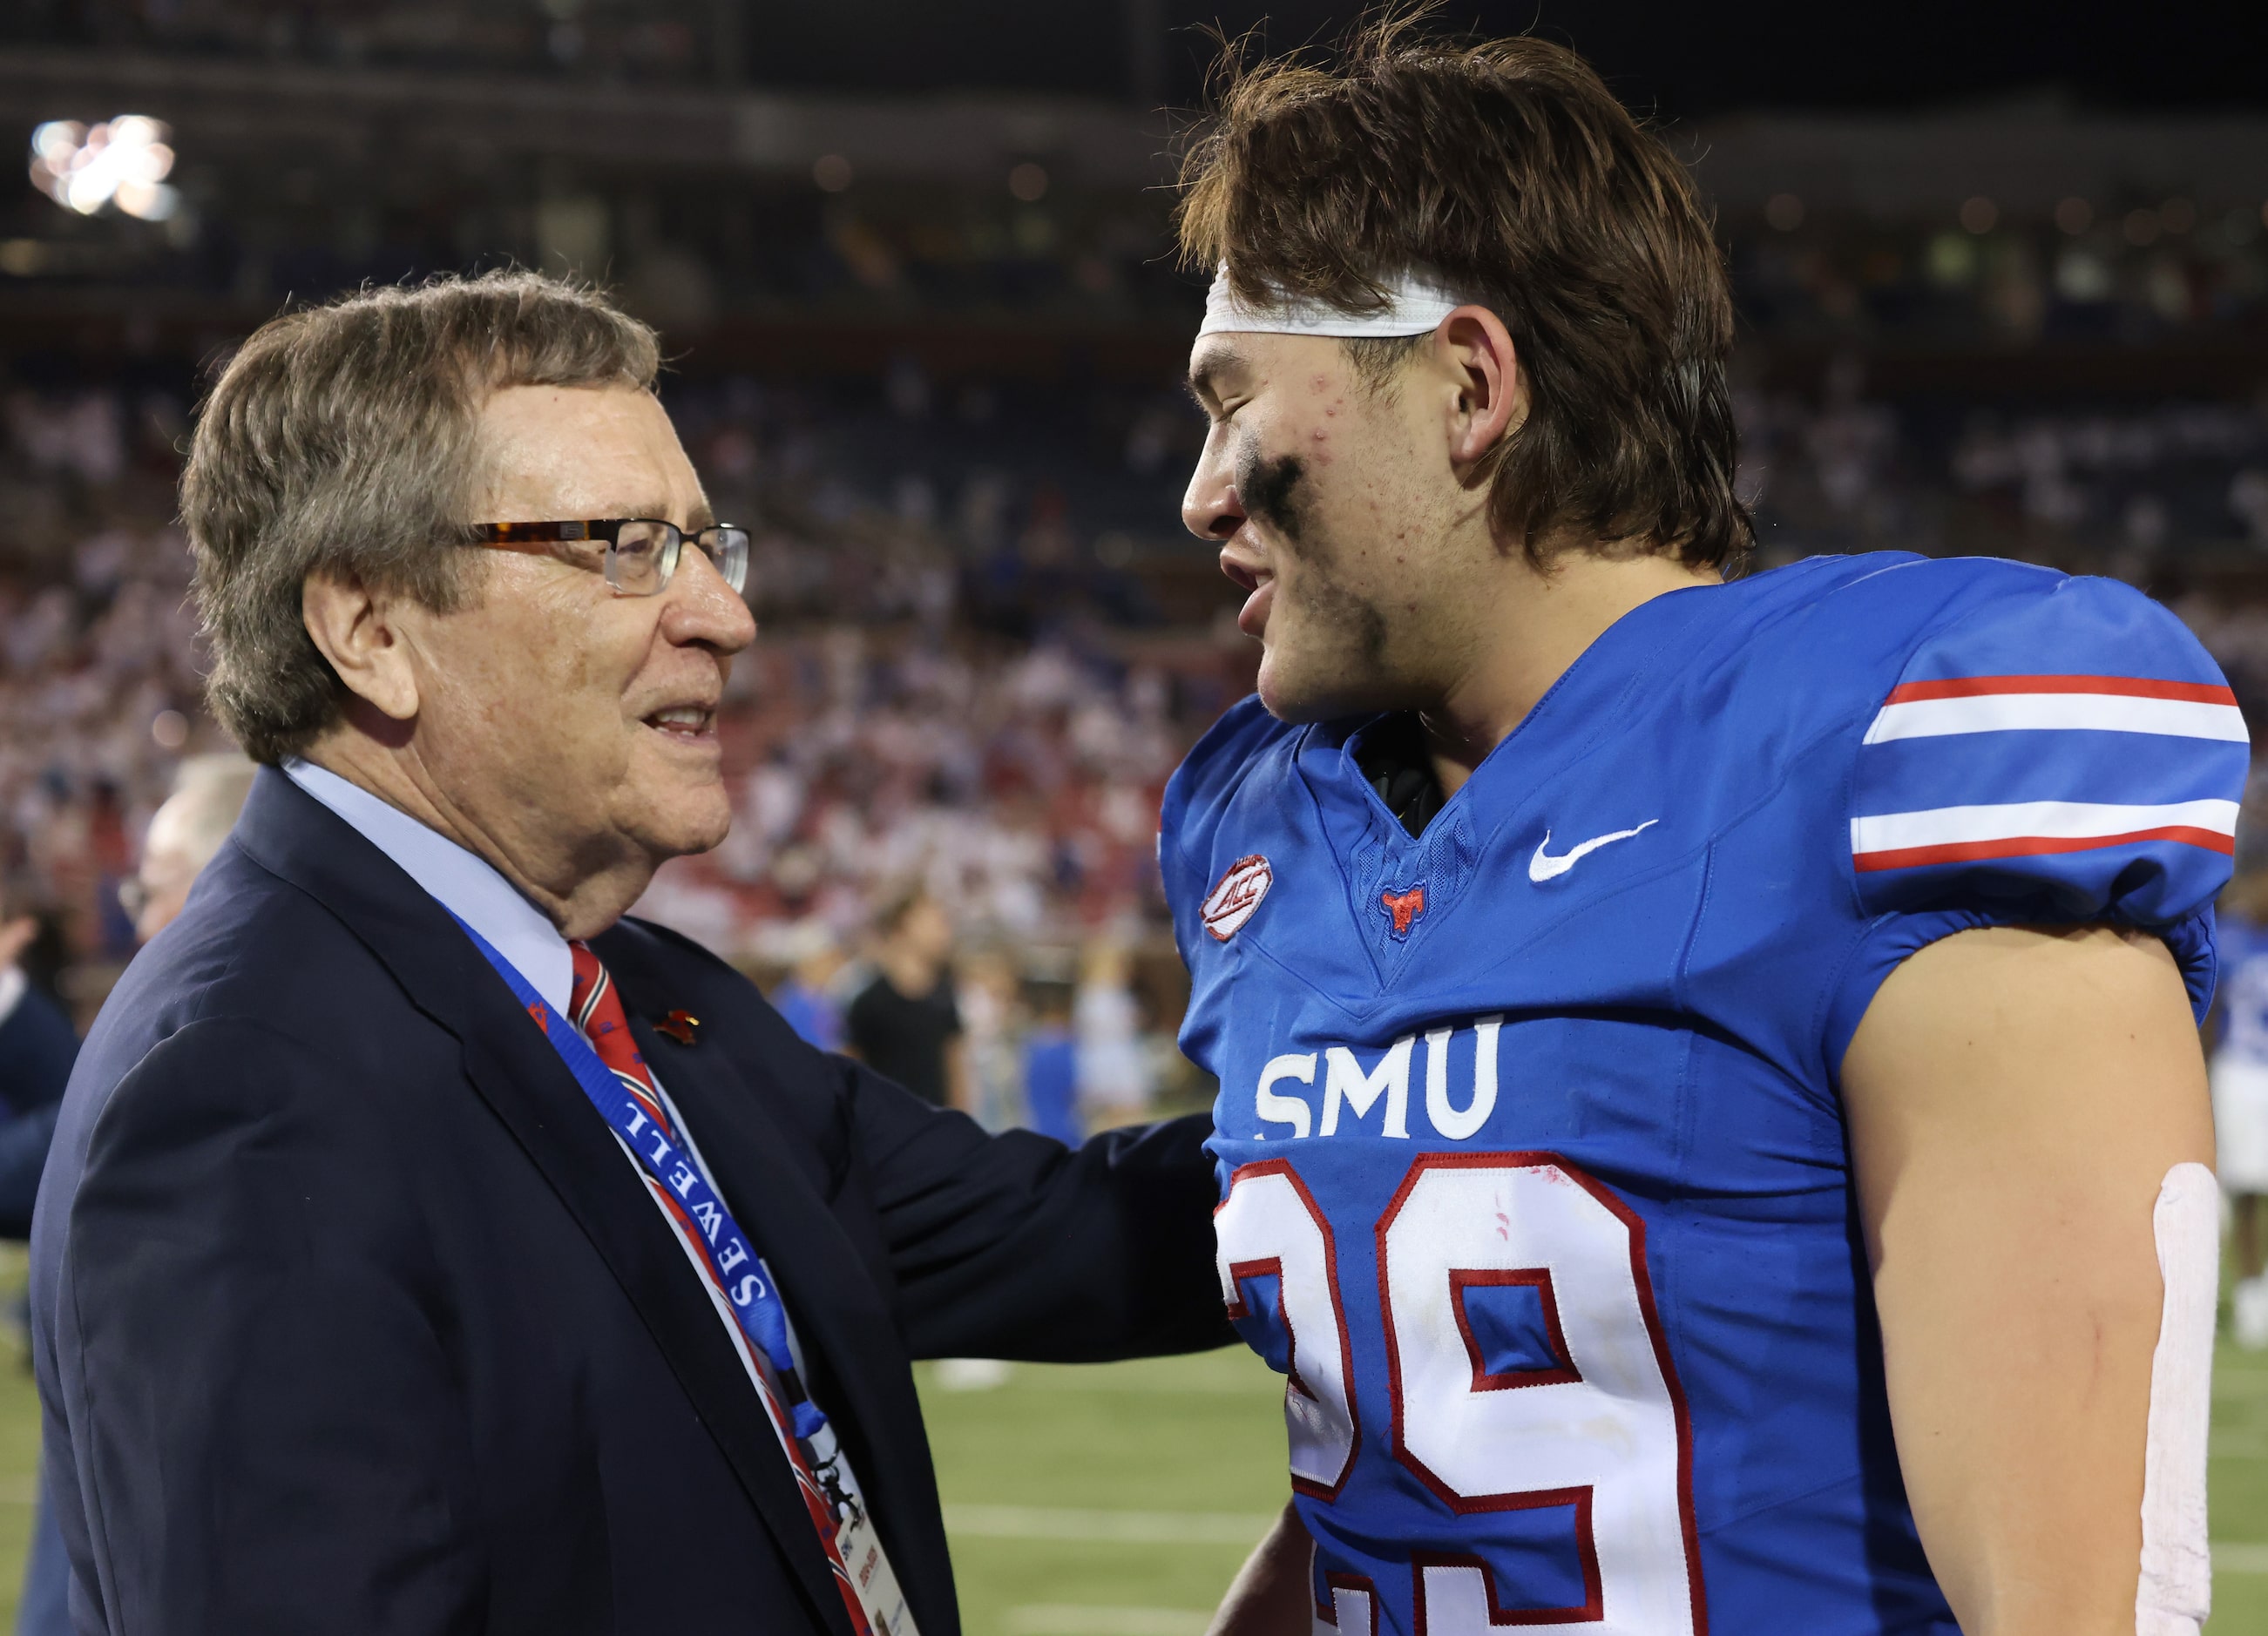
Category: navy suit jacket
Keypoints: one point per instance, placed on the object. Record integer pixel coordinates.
(350, 1316)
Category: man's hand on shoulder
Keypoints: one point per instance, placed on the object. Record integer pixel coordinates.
(2015, 1098)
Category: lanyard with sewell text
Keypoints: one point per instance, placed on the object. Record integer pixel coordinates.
(754, 1302)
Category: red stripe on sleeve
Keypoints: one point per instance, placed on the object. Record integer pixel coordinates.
(2033, 846)
(2130, 687)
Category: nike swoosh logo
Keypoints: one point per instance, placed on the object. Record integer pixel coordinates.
(1544, 867)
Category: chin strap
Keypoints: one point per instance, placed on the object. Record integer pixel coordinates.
(2176, 1591)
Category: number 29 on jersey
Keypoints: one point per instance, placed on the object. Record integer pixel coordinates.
(1587, 1415)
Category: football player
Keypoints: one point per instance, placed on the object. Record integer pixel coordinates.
(1711, 1120)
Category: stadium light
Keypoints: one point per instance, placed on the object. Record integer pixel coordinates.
(122, 161)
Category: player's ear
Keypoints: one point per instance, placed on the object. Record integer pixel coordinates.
(1475, 350)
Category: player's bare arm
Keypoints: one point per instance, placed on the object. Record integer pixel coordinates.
(1269, 1595)
(2016, 1099)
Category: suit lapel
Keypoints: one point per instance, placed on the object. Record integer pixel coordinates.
(841, 1322)
(520, 1076)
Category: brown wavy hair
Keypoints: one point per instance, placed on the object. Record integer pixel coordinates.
(1507, 171)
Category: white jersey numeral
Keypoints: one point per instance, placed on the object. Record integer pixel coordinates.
(1269, 1226)
(1599, 1425)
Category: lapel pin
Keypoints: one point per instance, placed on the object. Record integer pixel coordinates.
(678, 1025)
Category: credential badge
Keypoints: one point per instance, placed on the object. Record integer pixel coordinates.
(1231, 903)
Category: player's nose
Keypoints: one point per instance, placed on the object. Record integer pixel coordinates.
(1210, 508)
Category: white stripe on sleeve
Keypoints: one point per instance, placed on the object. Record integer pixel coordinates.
(2067, 712)
(2078, 820)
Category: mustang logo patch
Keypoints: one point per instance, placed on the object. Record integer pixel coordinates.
(1404, 907)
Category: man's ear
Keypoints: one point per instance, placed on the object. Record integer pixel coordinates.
(353, 629)
(1475, 351)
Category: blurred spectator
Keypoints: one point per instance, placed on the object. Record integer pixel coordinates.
(905, 1024)
(209, 791)
(184, 833)
(1051, 1066)
(37, 1049)
(2240, 1094)
(1113, 1071)
(992, 1014)
(805, 997)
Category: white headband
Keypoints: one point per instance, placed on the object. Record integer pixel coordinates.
(1414, 306)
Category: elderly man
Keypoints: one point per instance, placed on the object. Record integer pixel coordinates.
(185, 832)
(407, 1259)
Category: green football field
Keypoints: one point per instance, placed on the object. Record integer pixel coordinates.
(1119, 1500)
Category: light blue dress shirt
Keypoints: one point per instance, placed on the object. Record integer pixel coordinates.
(461, 881)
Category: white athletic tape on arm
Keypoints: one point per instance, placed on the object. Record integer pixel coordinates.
(1414, 306)
(2176, 1592)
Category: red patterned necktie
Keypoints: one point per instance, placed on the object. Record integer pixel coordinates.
(597, 1010)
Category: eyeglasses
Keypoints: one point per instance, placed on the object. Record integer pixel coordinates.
(641, 553)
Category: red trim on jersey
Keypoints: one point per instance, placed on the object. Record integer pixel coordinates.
(1271, 1266)
(1561, 1372)
(1283, 1167)
(1592, 1611)
(2129, 686)
(2035, 846)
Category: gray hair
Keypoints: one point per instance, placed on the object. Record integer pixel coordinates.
(343, 440)
(208, 792)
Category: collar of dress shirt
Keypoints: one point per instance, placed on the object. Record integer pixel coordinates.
(460, 880)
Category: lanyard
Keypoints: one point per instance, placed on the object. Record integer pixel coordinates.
(755, 1303)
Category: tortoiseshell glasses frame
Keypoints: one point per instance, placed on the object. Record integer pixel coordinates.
(641, 553)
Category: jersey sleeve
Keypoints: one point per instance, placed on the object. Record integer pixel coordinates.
(1196, 796)
(2065, 755)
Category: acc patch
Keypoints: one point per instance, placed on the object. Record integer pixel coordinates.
(1231, 903)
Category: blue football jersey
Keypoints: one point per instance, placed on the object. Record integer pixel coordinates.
(1533, 1172)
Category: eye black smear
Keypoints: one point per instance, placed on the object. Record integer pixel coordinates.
(1270, 489)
